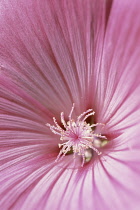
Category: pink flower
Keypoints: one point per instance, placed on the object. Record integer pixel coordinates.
(53, 54)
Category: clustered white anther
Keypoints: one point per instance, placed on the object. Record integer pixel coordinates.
(77, 136)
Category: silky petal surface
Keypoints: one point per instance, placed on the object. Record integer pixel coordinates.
(54, 54)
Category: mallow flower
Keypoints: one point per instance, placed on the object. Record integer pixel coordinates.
(69, 104)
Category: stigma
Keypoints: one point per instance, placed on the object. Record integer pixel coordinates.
(78, 136)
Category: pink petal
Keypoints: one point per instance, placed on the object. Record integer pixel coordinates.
(118, 84)
(53, 54)
(40, 48)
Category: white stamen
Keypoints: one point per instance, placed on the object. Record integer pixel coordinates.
(77, 136)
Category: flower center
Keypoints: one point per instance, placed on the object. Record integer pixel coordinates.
(78, 136)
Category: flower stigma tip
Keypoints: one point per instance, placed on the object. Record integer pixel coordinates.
(78, 136)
